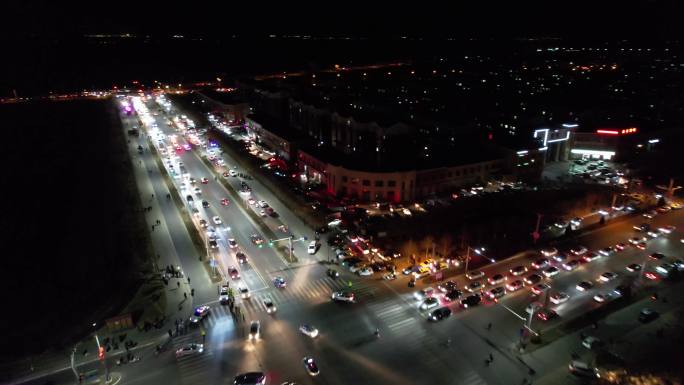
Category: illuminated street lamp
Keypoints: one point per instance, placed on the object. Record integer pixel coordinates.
(479, 251)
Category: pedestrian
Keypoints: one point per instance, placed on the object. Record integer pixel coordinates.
(152, 196)
(152, 227)
(188, 280)
(185, 295)
(489, 326)
(170, 333)
(178, 283)
(491, 357)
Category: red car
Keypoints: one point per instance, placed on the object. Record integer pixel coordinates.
(205, 180)
(224, 202)
(651, 275)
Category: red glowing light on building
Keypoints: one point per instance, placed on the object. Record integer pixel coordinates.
(623, 131)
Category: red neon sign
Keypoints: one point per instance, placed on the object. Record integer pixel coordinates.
(623, 131)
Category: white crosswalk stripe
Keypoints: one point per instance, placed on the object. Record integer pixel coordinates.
(471, 378)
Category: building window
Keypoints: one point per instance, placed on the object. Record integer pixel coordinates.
(344, 179)
(391, 183)
(379, 183)
(366, 182)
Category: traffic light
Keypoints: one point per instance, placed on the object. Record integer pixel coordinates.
(101, 353)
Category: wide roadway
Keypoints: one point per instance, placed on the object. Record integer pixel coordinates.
(410, 349)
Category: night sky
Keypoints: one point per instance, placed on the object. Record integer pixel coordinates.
(650, 19)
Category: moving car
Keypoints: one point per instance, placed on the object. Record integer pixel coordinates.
(262, 204)
(310, 366)
(474, 286)
(232, 243)
(279, 282)
(667, 229)
(515, 285)
(205, 204)
(312, 247)
(429, 303)
(199, 314)
(471, 300)
(579, 250)
(308, 330)
(540, 288)
(657, 256)
(603, 297)
(452, 296)
(550, 252)
(582, 369)
(439, 314)
(424, 293)
(551, 271)
(496, 279)
(365, 271)
(447, 286)
(560, 258)
(223, 294)
(559, 298)
(540, 263)
(190, 349)
(343, 296)
(496, 292)
(332, 273)
(269, 305)
(571, 265)
(607, 276)
(256, 239)
(546, 314)
(591, 342)
(254, 330)
(241, 257)
(584, 286)
(518, 270)
(472, 275)
(233, 272)
(607, 251)
(217, 220)
(648, 315)
(591, 257)
(532, 279)
(244, 292)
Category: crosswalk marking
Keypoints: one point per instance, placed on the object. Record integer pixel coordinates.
(400, 324)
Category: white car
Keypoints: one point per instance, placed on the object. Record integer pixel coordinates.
(197, 191)
(312, 247)
(666, 229)
(559, 298)
(429, 303)
(309, 330)
(343, 296)
(262, 204)
(424, 293)
(189, 350)
(217, 220)
(232, 243)
(232, 173)
(335, 222)
(366, 271)
(549, 252)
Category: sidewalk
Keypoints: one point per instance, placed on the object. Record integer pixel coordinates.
(177, 306)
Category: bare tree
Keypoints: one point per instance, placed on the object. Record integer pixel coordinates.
(409, 248)
(426, 244)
